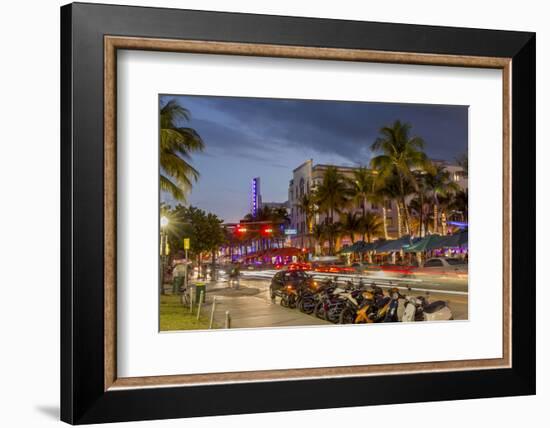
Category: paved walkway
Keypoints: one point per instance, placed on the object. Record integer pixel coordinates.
(250, 307)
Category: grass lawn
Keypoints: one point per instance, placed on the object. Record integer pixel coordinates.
(175, 316)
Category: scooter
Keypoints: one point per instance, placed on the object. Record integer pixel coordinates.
(326, 300)
(419, 309)
(356, 312)
(289, 295)
(393, 312)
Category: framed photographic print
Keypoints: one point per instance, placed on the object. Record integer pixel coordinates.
(255, 208)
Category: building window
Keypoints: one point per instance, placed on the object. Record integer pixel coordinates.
(301, 187)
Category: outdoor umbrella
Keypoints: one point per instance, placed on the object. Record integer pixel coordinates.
(394, 245)
(427, 243)
(459, 239)
(357, 247)
(372, 246)
(348, 249)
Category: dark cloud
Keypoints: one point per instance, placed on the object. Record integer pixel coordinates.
(259, 127)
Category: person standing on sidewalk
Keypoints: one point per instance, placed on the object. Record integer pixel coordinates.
(235, 276)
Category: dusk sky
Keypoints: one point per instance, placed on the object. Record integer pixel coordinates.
(267, 138)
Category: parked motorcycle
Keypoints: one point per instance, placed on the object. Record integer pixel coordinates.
(326, 299)
(419, 309)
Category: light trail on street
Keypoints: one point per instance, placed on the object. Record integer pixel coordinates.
(384, 282)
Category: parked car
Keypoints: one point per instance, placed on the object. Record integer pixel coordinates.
(443, 268)
(292, 278)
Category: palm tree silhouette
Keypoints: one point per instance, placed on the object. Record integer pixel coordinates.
(176, 144)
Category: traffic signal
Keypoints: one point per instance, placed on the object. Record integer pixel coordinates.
(241, 229)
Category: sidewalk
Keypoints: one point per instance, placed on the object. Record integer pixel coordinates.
(250, 307)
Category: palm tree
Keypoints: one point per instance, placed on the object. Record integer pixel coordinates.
(361, 187)
(386, 188)
(176, 144)
(400, 154)
(332, 230)
(331, 196)
(371, 225)
(350, 225)
(459, 204)
(306, 205)
(419, 202)
(318, 234)
(440, 185)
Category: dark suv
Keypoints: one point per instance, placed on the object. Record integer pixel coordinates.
(294, 278)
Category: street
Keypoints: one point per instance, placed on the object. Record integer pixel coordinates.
(250, 306)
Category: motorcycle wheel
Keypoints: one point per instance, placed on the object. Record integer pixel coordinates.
(272, 295)
(306, 307)
(291, 302)
(284, 302)
(347, 316)
(319, 311)
(333, 315)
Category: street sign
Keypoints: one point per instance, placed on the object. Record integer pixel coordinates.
(291, 231)
(186, 243)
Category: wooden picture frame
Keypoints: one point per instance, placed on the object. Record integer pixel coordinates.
(91, 390)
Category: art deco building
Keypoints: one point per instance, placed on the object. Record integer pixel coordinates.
(307, 176)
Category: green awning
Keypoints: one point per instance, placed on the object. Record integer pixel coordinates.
(394, 245)
(458, 240)
(357, 247)
(430, 242)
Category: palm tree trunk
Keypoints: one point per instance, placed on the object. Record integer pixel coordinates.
(384, 220)
(406, 217)
(398, 220)
(436, 223)
(421, 215)
(405, 210)
(443, 222)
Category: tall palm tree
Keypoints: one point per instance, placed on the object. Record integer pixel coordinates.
(318, 234)
(386, 188)
(176, 145)
(440, 185)
(350, 225)
(371, 225)
(361, 187)
(331, 196)
(306, 205)
(332, 230)
(420, 200)
(400, 154)
(459, 204)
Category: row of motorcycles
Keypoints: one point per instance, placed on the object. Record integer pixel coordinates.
(351, 303)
